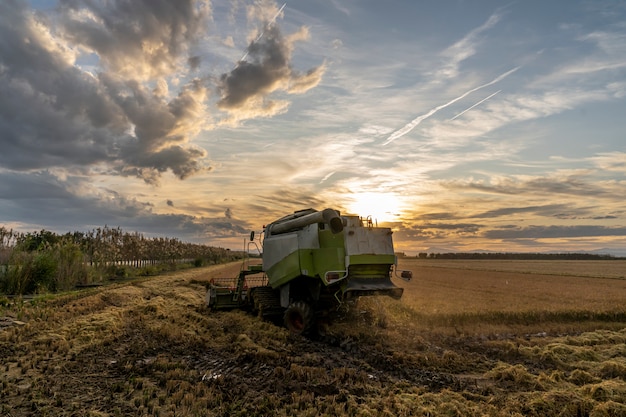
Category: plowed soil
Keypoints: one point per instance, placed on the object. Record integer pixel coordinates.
(152, 348)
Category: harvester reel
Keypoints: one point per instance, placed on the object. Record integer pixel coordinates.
(299, 318)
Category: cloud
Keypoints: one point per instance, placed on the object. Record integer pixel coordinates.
(288, 200)
(43, 185)
(54, 114)
(549, 209)
(245, 92)
(433, 231)
(464, 48)
(545, 232)
(140, 39)
(438, 216)
(418, 120)
(611, 161)
(74, 202)
(569, 185)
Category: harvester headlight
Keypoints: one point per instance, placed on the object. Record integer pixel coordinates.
(332, 276)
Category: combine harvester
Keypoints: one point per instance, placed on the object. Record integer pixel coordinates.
(313, 261)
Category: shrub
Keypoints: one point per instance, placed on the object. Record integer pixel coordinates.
(117, 271)
(43, 273)
(16, 279)
(50, 269)
(30, 273)
(71, 268)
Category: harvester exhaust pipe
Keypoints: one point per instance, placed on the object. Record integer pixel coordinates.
(328, 216)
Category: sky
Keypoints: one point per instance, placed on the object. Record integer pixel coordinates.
(462, 125)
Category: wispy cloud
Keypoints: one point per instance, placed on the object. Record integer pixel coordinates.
(416, 122)
(546, 232)
(464, 48)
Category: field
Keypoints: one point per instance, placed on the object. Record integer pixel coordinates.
(491, 338)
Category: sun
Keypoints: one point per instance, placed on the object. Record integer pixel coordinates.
(382, 207)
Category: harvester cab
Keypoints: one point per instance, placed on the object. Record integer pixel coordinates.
(312, 262)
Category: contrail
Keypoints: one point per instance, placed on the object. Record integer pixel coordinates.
(263, 31)
(327, 176)
(477, 104)
(415, 122)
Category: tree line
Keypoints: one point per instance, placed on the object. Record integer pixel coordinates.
(518, 256)
(44, 261)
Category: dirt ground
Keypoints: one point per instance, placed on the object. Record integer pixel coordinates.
(152, 348)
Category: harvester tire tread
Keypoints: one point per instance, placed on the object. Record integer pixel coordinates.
(299, 318)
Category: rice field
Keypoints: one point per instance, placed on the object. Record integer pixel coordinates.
(481, 286)
(468, 338)
(595, 268)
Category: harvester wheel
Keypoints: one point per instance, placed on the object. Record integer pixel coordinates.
(299, 318)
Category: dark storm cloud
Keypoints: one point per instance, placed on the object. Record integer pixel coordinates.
(71, 204)
(540, 232)
(194, 62)
(53, 114)
(18, 186)
(267, 68)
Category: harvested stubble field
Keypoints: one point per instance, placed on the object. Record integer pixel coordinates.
(485, 338)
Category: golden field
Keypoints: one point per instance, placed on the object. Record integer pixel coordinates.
(514, 288)
(490, 338)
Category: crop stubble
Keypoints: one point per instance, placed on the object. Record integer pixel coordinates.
(462, 341)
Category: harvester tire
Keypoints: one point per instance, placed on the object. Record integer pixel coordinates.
(299, 318)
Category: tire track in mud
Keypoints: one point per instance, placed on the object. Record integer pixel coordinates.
(327, 366)
(331, 353)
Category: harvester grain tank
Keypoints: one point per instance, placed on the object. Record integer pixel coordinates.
(313, 261)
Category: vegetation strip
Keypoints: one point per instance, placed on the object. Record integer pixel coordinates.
(43, 261)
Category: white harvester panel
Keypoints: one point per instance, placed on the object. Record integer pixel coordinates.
(277, 248)
(361, 240)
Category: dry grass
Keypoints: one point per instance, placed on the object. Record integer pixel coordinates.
(472, 297)
(615, 268)
(461, 342)
(444, 287)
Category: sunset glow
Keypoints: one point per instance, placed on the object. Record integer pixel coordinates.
(465, 125)
(380, 207)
